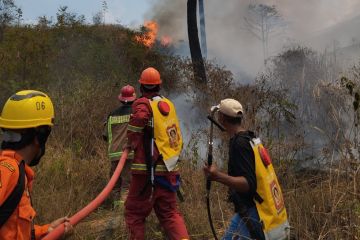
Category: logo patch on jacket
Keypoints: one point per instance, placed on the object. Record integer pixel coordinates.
(173, 136)
(277, 196)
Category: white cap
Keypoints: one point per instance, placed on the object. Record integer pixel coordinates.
(230, 107)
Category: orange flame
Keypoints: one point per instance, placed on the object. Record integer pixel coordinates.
(149, 37)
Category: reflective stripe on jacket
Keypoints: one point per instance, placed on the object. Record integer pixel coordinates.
(116, 132)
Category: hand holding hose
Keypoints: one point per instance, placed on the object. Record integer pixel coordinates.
(211, 171)
(68, 227)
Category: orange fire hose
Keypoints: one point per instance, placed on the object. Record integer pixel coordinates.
(75, 219)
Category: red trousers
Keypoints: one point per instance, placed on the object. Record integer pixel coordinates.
(138, 207)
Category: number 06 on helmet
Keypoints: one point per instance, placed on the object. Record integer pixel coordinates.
(27, 109)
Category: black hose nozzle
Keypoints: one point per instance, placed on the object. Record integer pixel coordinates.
(216, 123)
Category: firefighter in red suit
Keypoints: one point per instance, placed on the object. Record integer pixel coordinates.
(154, 135)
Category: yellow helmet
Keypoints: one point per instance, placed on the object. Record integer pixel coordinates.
(27, 109)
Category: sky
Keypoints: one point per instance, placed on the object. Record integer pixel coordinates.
(321, 13)
(313, 23)
(126, 12)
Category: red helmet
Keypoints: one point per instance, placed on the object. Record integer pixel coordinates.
(150, 76)
(127, 94)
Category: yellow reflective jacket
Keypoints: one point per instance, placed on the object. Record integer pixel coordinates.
(271, 209)
(167, 133)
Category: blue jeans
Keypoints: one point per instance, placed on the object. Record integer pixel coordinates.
(238, 230)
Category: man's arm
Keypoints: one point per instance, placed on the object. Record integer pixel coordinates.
(239, 184)
(139, 118)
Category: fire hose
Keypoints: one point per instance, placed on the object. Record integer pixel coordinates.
(75, 219)
(210, 158)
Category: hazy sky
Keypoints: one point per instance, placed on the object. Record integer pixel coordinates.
(232, 44)
(126, 12)
(307, 16)
(314, 23)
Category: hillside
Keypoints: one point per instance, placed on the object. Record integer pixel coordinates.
(82, 67)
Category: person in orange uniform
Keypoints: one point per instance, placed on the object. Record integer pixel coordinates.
(26, 121)
(154, 135)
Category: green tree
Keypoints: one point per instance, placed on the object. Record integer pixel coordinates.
(19, 15)
(8, 12)
(44, 22)
(97, 18)
(68, 19)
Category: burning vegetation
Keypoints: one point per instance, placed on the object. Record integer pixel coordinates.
(150, 34)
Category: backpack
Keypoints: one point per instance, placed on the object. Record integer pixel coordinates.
(271, 210)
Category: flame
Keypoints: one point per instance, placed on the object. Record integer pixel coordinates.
(149, 37)
(166, 40)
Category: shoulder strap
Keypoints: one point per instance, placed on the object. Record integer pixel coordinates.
(254, 141)
(157, 97)
(13, 200)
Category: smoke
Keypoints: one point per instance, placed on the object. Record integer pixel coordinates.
(323, 25)
(315, 23)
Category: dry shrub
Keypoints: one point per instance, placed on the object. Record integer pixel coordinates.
(194, 207)
(80, 116)
(65, 183)
(320, 204)
(324, 205)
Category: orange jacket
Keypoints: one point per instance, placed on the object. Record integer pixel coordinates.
(18, 226)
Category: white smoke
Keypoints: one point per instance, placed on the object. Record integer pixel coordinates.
(314, 23)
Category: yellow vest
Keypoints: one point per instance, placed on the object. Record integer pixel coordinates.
(167, 134)
(271, 210)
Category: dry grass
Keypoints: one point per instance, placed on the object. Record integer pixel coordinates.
(322, 205)
(65, 183)
(326, 205)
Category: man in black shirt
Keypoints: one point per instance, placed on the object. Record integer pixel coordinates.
(241, 177)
